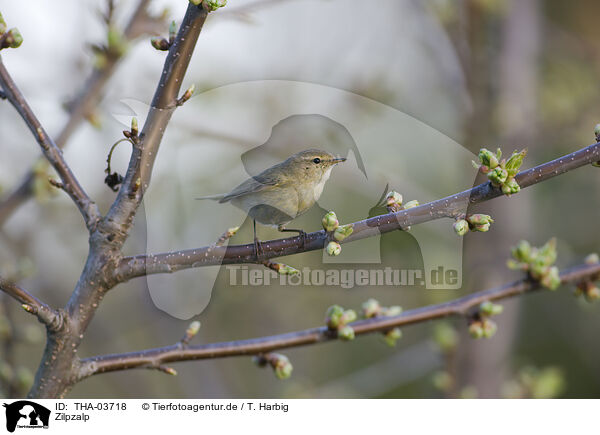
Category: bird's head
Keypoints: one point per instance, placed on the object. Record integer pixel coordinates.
(311, 165)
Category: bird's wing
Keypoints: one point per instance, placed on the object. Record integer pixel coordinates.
(265, 180)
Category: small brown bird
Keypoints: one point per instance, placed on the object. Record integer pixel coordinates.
(284, 191)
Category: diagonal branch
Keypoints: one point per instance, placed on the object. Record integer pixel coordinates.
(83, 105)
(86, 206)
(48, 316)
(154, 358)
(120, 216)
(449, 207)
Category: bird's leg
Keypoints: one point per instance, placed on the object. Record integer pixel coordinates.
(301, 233)
(257, 247)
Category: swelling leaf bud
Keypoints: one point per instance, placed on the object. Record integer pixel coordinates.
(12, 39)
(346, 333)
(281, 365)
(160, 43)
(592, 259)
(487, 158)
(522, 252)
(510, 187)
(489, 328)
(213, 5)
(479, 219)
(394, 310)
(461, 227)
(411, 204)
(333, 248)
(490, 309)
(371, 308)
(333, 316)
(342, 232)
(392, 336)
(514, 162)
(482, 228)
(596, 131)
(347, 317)
(330, 221)
(476, 329)
(551, 279)
(2, 25)
(498, 176)
(393, 198)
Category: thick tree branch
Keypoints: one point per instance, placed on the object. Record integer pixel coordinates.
(155, 358)
(449, 207)
(86, 206)
(82, 106)
(48, 316)
(121, 214)
(110, 233)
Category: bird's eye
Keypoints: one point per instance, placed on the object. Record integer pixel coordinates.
(317, 160)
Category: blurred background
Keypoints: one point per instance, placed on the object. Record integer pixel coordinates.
(408, 91)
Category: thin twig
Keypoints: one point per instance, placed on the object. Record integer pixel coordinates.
(458, 307)
(81, 107)
(31, 304)
(451, 206)
(86, 206)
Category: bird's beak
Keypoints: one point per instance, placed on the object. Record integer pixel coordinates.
(338, 160)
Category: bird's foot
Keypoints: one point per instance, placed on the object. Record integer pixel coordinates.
(258, 250)
(301, 233)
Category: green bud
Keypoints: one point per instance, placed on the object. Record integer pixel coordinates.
(282, 365)
(134, 126)
(284, 269)
(522, 252)
(490, 309)
(333, 316)
(516, 265)
(481, 228)
(445, 336)
(461, 227)
(510, 187)
(489, 328)
(2, 25)
(551, 279)
(160, 43)
(117, 44)
(479, 219)
(193, 328)
(476, 329)
(195, 2)
(592, 259)
(514, 162)
(411, 204)
(498, 176)
(213, 5)
(346, 333)
(371, 308)
(333, 248)
(548, 252)
(394, 310)
(347, 317)
(342, 232)
(487, 158)
(597, 131)
(172, 31)
(392, 336)
(393, 198)
(330, 221)
(592, 293)
(12, 39)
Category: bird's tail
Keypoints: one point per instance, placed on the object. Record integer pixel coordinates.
(213, 197)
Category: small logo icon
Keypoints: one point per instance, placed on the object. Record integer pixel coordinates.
(26, 414)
